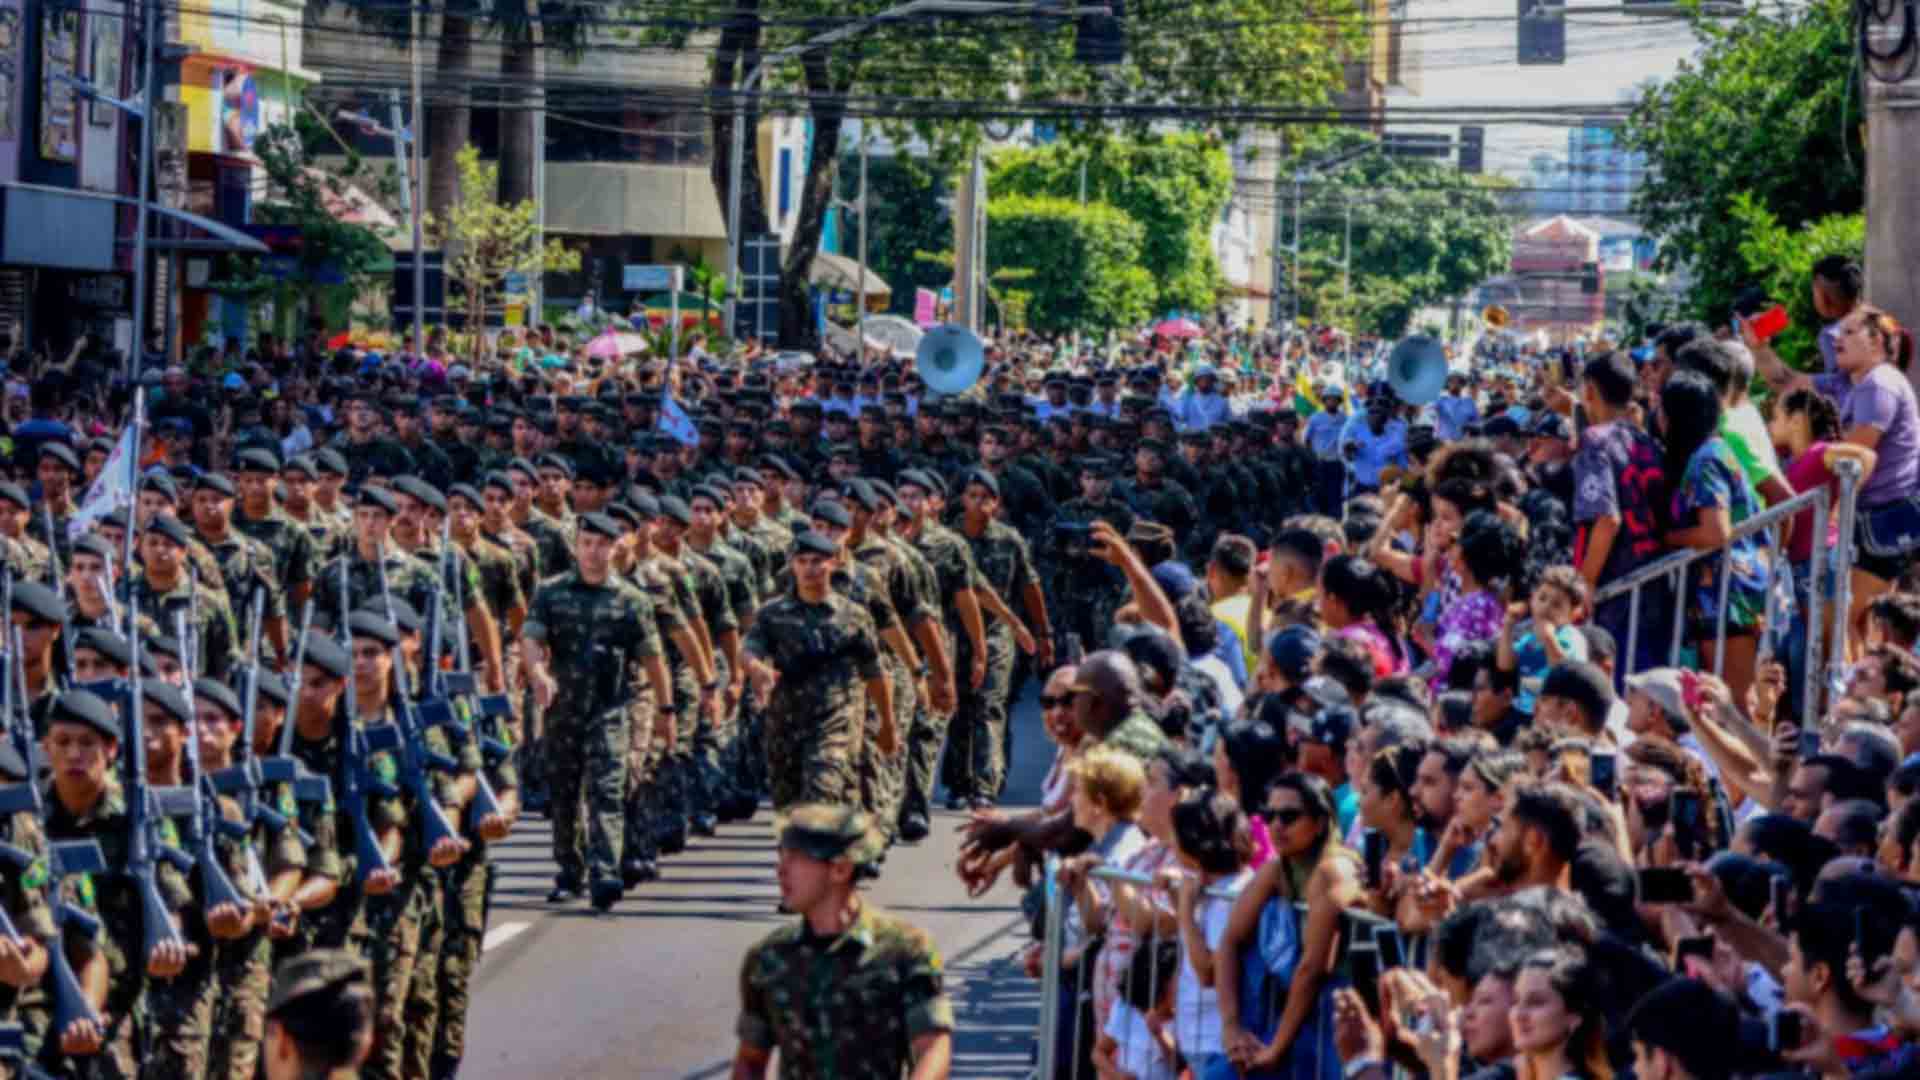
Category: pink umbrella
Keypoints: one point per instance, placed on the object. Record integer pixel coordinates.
(1178, 328)
(606, 347)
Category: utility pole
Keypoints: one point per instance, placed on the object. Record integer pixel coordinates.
(149, 119)
(1892, 89)
(1299, 178)
(1346, 258)
(419, 187)
(860, 320)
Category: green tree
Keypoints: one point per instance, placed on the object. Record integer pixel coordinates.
(907, 218)
(1768, 110)
(1780, 259)
(1190, 55)
(490, 240)
(1175, 185)
(302, 192)
(1085, 262)
(1422, 231)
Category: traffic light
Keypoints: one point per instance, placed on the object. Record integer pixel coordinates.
(1473, 142)
(1101, 40)
(1543, 31)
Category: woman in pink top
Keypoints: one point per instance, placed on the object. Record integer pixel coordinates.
(1356, 601)
(1805, 427)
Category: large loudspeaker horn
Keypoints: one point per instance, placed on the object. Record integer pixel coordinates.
(1495, 317)
(1417, 369)
(950, 359)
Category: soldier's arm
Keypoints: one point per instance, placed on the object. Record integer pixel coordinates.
(902, 647)
(486, 635)
(989, 599)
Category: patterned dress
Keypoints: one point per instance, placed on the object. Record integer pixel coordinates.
(1475, 617)
(1713, 480)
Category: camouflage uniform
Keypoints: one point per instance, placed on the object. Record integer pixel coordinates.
(1086, 591)
(816, 718)
(554, 540)
(883, 777)
(951, 560)
(848, 1007)
(976, 761)
(597, 637)
(718, 751)
(25, 903)
(375, 457)
(28, 558)
(183, 1008)
(699, 737)
(215, 639)
(295, 554)
(244, 968)
(115, 900)
(247, 564)
(648, 771)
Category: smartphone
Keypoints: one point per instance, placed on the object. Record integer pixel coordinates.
(1700, 945)
(1769, 323)
(1600, 769)
(1689, 690)
(1365, 964)
(1386, 942)
(1785, 1031)
(1373, 845)
(1665, 885)
(1685, 812)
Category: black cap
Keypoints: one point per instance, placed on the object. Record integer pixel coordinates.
(39, 601)
(273, 688)
(162, 485)
(170, 700)
(205, 689)
(326, 654)
(812, 543)
(83, 707)
(368, 624)
(985, 479)
(713, 493)
(601, 524)
(396, 609)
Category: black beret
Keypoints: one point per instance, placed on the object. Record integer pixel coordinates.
(39, 601)
(16, 495)
(645, 504)
(713, 493)
(622, 513)
(675, 507)
(601, 524)
(862, 492)
(326, 654)
(812, 543)
(373, 625)
(170, 527)
(467, 492)
(779, 464)
(524, 467)
(985, 479)
(273, 688)
(555, 461)
(162, 645)
(921, 479)
(746, 476)
(257, 459)
(328, 460)
(376, 499)
(498, 479)
(61, 453)
(213, 481)
(94, 545)
(106, 643)
(170, 700)
(415, 488)
(831, 511)
(160, 484)
(205, 689)
(83, 707)
(302, 465)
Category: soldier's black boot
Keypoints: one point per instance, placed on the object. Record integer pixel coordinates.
(606, 893)
(444, 1067)
(914, 828)
(635, 870)
(674, 840)
(565, 891)
(705, 824)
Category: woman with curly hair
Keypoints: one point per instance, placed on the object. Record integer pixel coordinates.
(1656, 768)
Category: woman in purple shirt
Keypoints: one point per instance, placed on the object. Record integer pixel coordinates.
(1877, 411)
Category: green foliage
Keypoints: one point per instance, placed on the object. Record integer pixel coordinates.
(1085, 262)
(1780, 259)
(1768, 111)
(486, 240)
(906, 218)
(1173, 185)
(1423, 232)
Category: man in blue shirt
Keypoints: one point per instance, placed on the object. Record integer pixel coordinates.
(1374, 443)
(1323, 438)
(1455, 410)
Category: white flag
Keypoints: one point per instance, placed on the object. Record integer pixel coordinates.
(109, 490)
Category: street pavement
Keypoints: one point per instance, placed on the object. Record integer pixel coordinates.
(651, 989)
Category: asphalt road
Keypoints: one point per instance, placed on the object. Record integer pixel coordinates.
(651, 988)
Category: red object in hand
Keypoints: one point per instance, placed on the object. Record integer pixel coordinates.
(1769, 322)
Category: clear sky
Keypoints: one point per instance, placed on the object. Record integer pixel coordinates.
(1467, 53)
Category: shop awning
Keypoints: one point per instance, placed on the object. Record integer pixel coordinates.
(843, 274)
(601, 198)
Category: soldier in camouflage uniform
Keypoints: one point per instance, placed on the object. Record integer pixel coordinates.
(592, 636)
(363, 448)
(295, 555)
(26, 556)
(246, 564)
(975, 761)
(84, 801)
(955, 576)
(699, 748)
(873, 1008)
(1097, 589)
(709, 505)
(660, 807)
(814, 659)
(23, 899)
(60, 475)
(165, 587)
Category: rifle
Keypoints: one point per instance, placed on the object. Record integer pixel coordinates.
(63, 672)
(444, 704)
(357, 780)
(411, 748)
(216, 885)
(144, 814)
(244, 779)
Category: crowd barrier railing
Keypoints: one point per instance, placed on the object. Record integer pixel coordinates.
(1826, 563)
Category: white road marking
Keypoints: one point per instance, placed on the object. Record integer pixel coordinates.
(500, 935)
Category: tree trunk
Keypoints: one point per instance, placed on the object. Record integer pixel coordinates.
(797, 327)
(449, 127)
(737, 53)
(520, 70)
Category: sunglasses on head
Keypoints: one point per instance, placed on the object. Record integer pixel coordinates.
(1060, 702)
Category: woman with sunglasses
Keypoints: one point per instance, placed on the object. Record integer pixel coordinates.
(1291, 1037)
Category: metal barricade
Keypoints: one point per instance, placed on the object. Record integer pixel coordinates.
(1053, 972)
(1836, 562)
